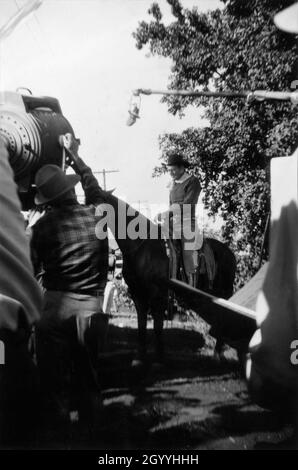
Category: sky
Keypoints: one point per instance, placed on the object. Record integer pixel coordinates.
(83, 53)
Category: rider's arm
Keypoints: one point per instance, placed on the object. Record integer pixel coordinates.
(191, 196)
(192, 191)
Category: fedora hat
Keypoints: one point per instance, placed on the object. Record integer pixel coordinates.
(51, 182)
(177, 159)
(287, 19)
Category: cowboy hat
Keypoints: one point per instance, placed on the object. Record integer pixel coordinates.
(51, 182)
(287, 19)
(176, 159)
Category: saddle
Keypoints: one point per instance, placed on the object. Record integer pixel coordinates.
(206, 265)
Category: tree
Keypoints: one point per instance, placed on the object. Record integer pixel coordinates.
(235, 48)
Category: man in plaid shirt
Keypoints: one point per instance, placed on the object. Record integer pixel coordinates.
(75, 265)
(65, 245)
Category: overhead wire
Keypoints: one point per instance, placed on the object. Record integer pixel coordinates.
(36, 37)
(33, 34)
(43, 33)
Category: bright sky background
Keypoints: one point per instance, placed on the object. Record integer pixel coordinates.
(83, 53)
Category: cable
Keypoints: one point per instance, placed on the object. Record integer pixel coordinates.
(46, 39)
(34, 36)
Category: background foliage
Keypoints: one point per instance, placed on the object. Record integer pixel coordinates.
(234, 48)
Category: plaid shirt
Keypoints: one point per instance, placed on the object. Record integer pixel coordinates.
(65, 244)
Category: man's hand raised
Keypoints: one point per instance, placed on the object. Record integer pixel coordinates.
(71, 145)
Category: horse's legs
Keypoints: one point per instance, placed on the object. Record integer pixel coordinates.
(158, 333)
(218, 350)
(142, 331)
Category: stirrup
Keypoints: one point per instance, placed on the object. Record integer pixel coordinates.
(192, 280)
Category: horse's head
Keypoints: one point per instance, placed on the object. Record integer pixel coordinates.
(103, 196)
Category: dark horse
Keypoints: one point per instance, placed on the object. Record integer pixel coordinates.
(146, 267)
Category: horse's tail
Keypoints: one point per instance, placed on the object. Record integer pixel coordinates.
(225, 260)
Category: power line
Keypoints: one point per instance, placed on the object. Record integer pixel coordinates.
(139, 202)
(104, 173)
(45, 36)
(33, 34)
(143, 204)
(46, 43)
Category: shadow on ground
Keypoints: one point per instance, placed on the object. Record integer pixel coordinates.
(192, 402)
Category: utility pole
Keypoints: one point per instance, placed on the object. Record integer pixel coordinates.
(104, 173)
(139, 202)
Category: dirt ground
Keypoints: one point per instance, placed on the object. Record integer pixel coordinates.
(193, 402)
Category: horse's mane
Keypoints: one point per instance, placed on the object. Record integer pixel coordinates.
(109, 198)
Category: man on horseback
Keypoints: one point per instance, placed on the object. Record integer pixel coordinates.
(184, 235)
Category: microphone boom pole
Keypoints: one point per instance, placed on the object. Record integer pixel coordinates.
(250, 95)
(257, 95)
